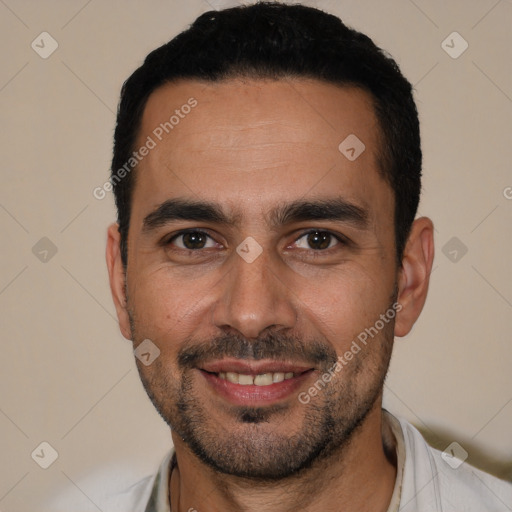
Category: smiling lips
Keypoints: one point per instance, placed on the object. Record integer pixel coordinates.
(256, 382)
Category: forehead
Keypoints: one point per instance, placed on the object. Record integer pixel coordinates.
(249, 143)
(296, 108)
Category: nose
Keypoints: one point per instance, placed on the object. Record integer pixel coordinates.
(254, 298)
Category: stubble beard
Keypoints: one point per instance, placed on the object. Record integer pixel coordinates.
(254, 449)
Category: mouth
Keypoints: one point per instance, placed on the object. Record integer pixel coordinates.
(254, 383)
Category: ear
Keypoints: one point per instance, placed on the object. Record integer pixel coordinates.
(116, 274)
(414, 274)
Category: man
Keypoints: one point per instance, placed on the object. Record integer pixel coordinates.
(267, 172)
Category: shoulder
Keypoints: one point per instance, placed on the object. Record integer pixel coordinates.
(133, 498)
(109, 490)
(435, 480)
(148, 494)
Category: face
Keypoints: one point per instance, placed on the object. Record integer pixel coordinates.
(259, 252)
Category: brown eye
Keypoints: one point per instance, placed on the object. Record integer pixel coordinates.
(317, 240)
(191, 240)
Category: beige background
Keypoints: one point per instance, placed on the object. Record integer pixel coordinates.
(68, 377)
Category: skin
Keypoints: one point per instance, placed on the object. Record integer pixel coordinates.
(249, 146)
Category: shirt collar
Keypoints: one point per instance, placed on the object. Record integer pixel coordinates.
(159, 500)
(397, 432)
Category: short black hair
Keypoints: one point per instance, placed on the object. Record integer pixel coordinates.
(269, 40)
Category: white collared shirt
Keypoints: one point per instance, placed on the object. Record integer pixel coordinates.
(425, 482)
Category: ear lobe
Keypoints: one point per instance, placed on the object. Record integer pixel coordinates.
(414, 275)
(116, 274)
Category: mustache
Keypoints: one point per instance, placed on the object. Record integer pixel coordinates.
(273, 346)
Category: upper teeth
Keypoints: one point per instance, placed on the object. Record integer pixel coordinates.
(263, 379)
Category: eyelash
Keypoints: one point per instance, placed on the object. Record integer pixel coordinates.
(341, 239)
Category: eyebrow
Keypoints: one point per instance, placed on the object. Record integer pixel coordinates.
(333, 209)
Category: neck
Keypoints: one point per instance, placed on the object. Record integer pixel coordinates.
(359, 477)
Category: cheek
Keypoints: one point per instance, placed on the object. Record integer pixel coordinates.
(168, 305)
(345, 303)
(171, 304)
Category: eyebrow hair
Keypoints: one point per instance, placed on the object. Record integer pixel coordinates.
(184, 209)
(335, 209)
